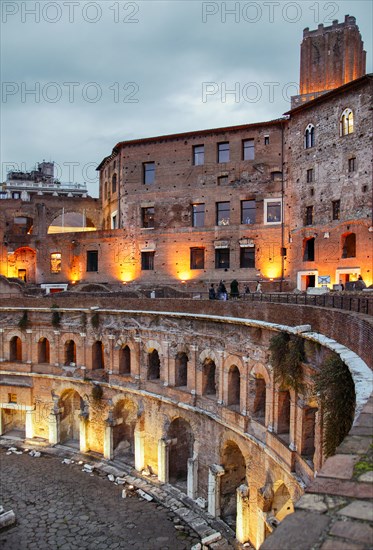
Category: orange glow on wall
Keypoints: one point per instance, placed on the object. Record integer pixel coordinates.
(271, 271)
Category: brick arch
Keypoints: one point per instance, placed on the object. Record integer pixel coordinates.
(208, 354)
(15, 332)
(151, 345)
(234, 360)
(261, 370)
(92, 212)
(232, 437)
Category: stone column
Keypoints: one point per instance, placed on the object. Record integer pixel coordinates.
(28, 355)
(163, 460)
(110, 366)
(192, 370)
(83, 432)
(54, 427)
(29, 424)
(139, 450)
(108, 440)
(192, 479)
(1, 421)
(166, 363)
(57, 356)
(243, 514)
(260, 527)
(220, 393)
(2, 344)
(135, 360)
(83, 356)
(293, 421)
(215, 473)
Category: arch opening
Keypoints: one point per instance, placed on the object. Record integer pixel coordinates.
(43, 351)
(15, 349)
(181, 370)
(234, 466)
(125, 360)
(71, 404)
(154, 365)
(209, 378)
(181, 449)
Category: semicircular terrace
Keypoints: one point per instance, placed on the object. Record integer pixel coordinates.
(186, 389)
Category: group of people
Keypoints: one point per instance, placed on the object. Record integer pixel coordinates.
(221, 292)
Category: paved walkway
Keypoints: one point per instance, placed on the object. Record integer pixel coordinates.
(58, 506)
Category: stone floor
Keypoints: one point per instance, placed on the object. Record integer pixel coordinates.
(60, 507)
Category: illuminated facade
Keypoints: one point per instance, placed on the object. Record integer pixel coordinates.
(283, 202)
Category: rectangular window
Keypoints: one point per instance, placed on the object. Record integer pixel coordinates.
(309, 215)
(149, 172)
(3, 195)
(272, 211)
(114, 223)
(55, 262)
(198, 215)
(92, 260)
(222, 258)
(147, 217)
(266, 140)
(147, 261)
(198, 155)
(351, 164)
(16, 195)
(12, 398)
(197, 258)
(310, 175)
(248, 212)
(222, 213)
(248, 149)
(336, 205)
(223, 152)
(247, 256)
(222, 180)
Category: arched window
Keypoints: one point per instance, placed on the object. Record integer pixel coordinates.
(70, 352)
(259, 405)
(15, 349)
(114, 183)
(283, 426)
(105, 190)
(309, 249)
(309, 136)
(43, 350)
(349, 245)
(181, 369)
(154, 365)
(98, 356)
(346, 124)
(208, 378)
(125, 360)
(233, 386)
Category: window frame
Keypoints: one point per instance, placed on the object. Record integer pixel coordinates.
(336, 209)
(223, 151)
(351, 165)
(197, 257)
(220, 219)
(144, 215)
(309, 175)
(147, 260)
(266, 204)
(248, 209)
(243, 251)
(346, 123)
(249, 150)
(147, 172)
(198, 156)
(196, 214)
(91, 262)
(54, 258)
(309, 136)
(219, 261)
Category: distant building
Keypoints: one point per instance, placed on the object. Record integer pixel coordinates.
(23, 185)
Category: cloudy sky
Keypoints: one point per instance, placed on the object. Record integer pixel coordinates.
(77, 77)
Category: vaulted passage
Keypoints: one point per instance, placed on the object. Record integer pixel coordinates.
(71, 405)
(182, 439)
(234, 466)
(125, 417)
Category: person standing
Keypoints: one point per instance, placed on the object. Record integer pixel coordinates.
(258, 287)
(212, 293)
(235, 293)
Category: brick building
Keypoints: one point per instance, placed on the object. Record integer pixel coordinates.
(284, 202)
